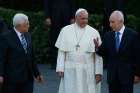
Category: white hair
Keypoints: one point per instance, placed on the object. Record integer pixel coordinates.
(118, 14)
(80, 10)
(19, 18)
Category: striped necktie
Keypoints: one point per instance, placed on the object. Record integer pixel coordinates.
(23, 42)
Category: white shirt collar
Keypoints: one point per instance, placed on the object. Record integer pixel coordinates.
(122, 30)
(18, 33)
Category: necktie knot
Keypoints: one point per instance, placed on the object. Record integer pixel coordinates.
(118, 33)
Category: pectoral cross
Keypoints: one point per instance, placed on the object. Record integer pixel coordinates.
(77, 46)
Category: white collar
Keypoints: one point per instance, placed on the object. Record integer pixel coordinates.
(122, 30)
(18, 33)
(78, 27)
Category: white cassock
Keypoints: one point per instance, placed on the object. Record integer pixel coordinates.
(79, 63)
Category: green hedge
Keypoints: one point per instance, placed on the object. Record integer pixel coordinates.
(40, 32)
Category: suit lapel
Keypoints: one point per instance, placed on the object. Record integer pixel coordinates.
(123, 40)
(17, 40)
(113, 41)
(28, 40)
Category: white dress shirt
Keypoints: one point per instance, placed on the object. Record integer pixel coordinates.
(18, 34)
(121, 32)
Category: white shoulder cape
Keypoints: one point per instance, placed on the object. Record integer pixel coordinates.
(67, 40)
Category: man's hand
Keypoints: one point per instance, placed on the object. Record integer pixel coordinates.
(72, 20)
(96, 42)
(98, 78)
(136, 79)
(61, 74)
(39, 79)
(1, 80)
(48, 21)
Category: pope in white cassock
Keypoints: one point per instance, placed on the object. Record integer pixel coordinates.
(78, 66)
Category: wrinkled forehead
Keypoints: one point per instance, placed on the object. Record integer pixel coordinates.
(117, 16)
(114, 18)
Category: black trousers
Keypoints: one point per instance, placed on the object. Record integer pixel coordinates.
(24, 87)
(120, 86)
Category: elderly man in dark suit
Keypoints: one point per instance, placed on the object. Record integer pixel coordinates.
(121, 49)
(17, 63)
(59, 13)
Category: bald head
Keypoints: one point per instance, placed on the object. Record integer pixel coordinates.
(116, 20)
(117, 15)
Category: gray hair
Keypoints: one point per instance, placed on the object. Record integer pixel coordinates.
(118, 14)
(80, 10)
(19, 18)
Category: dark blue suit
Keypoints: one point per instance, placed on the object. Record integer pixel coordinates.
(121, 64)
(17, 67)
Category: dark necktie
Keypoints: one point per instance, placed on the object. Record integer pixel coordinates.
(117, 40)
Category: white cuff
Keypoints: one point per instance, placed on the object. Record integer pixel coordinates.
(60, 61)
(98, 65)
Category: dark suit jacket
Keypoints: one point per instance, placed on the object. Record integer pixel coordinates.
(15, 64)
(120, 64)
(56, 7)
